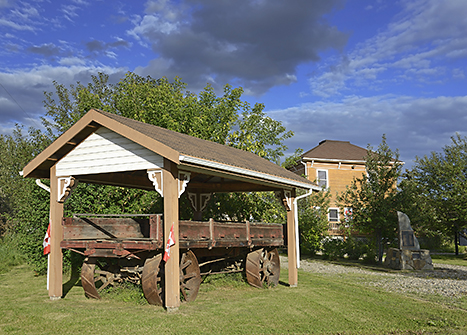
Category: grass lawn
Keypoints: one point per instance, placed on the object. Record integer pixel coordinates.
(450, 259)
(321, 304)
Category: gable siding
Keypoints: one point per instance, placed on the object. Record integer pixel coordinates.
(104, 152)
(338, 177)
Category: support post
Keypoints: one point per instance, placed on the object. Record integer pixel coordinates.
(56, 232)
(171, 204)
(291, 241)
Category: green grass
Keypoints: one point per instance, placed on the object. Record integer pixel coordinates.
(9, 255)
(321, 304)
(450, 259)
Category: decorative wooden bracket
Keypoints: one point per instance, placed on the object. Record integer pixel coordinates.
(199, 201)
(286, 198)
(183, 180)
(65, 186)
(156, 177)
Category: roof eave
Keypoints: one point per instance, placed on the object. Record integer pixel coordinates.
(333, 160)
(249, 173)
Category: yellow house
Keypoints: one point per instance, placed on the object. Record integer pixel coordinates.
(333, 165)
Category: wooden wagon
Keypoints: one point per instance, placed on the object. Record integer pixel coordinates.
(104, 148)
(136, 244)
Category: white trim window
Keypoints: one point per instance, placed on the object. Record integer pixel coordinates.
(333, 215)
(322, 178)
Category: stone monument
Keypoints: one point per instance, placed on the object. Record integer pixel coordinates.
(409, 256)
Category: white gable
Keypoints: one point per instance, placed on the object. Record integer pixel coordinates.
(105, 151)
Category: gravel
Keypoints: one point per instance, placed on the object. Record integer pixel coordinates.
(445, 280)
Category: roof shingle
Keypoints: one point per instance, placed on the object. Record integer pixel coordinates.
(336, 150)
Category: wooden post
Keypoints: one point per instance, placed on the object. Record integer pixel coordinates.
(291, 242)
(56, 232)
(172, 267)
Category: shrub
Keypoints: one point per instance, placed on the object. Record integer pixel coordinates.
(333, 249)
(355, 248)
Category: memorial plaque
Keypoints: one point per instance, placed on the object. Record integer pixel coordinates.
(408, 238)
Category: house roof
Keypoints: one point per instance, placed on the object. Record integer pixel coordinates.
(186, 151)
(336, 151)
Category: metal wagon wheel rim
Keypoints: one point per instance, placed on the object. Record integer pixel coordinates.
(90, 276)
(152, 280)
(190, 276)
(263, 268)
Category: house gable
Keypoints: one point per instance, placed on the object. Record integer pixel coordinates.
(105, 151)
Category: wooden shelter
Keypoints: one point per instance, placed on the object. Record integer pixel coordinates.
(105, 148)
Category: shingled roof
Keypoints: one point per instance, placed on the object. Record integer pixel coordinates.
(180, 148)
(336, 150)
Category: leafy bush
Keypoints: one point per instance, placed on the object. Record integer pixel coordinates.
(313, 221)
(351, 248)
(355, 248)
(333, 249)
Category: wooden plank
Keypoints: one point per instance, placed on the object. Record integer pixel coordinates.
(292, 246)
(171, 207)
(56, 258)
(98, 228)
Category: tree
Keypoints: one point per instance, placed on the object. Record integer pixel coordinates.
(224, 119)
(373, 197)
(439, 183)
(313, 220)
(25, 209)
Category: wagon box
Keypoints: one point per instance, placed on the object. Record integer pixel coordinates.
(138, 244)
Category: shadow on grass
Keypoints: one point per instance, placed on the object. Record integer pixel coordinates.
(283, 283)
(75, 277)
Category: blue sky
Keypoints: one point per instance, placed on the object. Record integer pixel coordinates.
(343, 70)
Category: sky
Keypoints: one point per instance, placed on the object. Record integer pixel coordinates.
(339, 70)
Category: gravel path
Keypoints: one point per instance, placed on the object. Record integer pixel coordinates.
(445, 280)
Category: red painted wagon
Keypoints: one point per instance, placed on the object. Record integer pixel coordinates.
(136, 244)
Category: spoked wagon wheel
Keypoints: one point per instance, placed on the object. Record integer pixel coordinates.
(190, 276)
(95, 280)
(263, 268)
(153, 279)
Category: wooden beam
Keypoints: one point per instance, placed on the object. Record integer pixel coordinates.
(123, 179)
(231, 186)
(291, 243)
(56, 233)
(171, 208)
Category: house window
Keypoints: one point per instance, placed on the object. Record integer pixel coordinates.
(333, 215)
(322, 178)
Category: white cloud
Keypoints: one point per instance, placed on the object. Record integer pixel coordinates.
(416, 126)
(14, 25)
(420, 37)
(72, 61)
(27, 86)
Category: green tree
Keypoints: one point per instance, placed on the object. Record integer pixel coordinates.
(224, 119)
(25, 208)
(438, 182)
(313, 220)
(373, 197)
